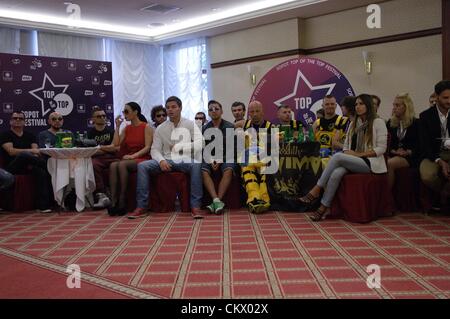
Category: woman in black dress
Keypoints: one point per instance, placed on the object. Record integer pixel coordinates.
(403, 129)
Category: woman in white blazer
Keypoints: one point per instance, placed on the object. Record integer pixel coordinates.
(363, 152)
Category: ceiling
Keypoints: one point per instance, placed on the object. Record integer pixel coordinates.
(125, 19)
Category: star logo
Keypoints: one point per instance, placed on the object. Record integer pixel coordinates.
(304, 98)
(301, 84)
(47, 92)
(303, 91)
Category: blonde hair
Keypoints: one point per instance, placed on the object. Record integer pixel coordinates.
(408, 118)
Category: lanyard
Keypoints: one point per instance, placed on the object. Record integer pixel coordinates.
(401, 132)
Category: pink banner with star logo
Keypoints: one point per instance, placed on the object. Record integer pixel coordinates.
(38, 86)
(300, 83)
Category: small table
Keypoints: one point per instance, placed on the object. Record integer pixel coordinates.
(71, 163)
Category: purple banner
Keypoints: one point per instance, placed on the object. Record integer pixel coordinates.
(41, 85)
(300, 83)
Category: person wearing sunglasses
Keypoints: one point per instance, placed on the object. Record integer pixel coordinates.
(103, 135)
(200, 119)
(20, 151)
(47, 138)
(135, 141)
(214, 162)
(159, 115)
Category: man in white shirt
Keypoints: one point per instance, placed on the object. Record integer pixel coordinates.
(177, 146)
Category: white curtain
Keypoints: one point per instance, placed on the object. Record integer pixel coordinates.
(9, 40)
(137, 74)
(68, 46)
(185, 75)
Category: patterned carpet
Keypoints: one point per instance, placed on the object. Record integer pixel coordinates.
(237, 255)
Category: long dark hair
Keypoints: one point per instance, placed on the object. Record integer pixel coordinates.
(136, 107)
(371, 115)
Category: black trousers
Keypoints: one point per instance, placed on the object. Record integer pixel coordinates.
(26, 163)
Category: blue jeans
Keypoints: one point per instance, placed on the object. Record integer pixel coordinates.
(151, 167)
(6, 179)
(339, 165)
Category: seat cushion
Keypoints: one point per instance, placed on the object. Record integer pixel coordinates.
(362, 198)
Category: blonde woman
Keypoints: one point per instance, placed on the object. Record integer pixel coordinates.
(403, 128)
(364, 149)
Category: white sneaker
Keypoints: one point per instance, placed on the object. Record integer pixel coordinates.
(46, 211)
(102, 201)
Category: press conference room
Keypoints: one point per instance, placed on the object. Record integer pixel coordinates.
(268, 150)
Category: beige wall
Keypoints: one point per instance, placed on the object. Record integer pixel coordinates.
(406, 66)
(412, 66)
(399, 16)
(277, 37)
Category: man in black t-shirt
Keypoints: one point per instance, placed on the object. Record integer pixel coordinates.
(21, 153)
(104, 137)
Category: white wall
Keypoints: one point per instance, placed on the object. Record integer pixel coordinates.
(412, 66)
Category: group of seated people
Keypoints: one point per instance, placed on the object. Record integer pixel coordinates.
(356, 141)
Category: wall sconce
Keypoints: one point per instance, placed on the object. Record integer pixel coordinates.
(251, 72)
(368, 64)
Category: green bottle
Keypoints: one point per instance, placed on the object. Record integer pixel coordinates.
(311, 134)
(301, 135)
(59, 136)
(299, 129)
(286, 129)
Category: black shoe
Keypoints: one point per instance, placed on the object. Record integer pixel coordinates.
(435, 209)
(121, 211)
(112, 211)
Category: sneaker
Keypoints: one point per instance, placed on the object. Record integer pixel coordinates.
(252, 206)
(45, 211)
(211, 208)
(262, 207)
(258, 206)
(137, 213)
(219, 207)
(102, 201)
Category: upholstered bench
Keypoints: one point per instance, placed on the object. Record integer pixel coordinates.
(233, 196)
(21, 196)
(407, 189)
(362, 198)
(164, 189)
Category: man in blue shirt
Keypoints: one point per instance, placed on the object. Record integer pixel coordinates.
(47, 138)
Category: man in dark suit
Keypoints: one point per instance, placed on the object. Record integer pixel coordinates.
(435, 142)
